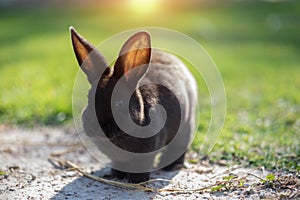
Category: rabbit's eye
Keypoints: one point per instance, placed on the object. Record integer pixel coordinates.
(118, 103)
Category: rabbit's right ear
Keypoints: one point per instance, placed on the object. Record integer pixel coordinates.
(89, 58)
(134, 54)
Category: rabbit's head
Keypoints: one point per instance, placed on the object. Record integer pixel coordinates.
(129, 68)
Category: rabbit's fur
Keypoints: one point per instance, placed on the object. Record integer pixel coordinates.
(166, 69)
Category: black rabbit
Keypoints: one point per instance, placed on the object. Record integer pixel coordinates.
(158, 78)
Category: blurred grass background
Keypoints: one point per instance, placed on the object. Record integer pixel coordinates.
(255, 44)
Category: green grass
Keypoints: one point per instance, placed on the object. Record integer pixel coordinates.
(255, 45)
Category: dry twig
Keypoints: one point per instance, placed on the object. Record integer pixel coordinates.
(139, 186)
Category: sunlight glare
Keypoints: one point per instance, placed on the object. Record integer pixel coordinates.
(144, 6)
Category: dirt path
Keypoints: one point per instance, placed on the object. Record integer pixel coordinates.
(27, 173)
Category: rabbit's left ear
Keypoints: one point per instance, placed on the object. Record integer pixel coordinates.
(135, 54)
(89, 58)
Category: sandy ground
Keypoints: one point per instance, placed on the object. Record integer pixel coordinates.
(27, 173)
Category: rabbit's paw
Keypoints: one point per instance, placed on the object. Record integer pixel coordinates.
(118, 174)
(138, 177)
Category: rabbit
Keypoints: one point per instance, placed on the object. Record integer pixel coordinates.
(138, 63)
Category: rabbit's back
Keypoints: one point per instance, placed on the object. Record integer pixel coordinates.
(167, 71)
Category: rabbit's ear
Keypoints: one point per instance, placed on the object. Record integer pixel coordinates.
(89, 58)
(136, 52)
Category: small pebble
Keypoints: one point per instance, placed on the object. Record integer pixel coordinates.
(69, 174)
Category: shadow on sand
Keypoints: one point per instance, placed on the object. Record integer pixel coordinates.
(85, 188)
